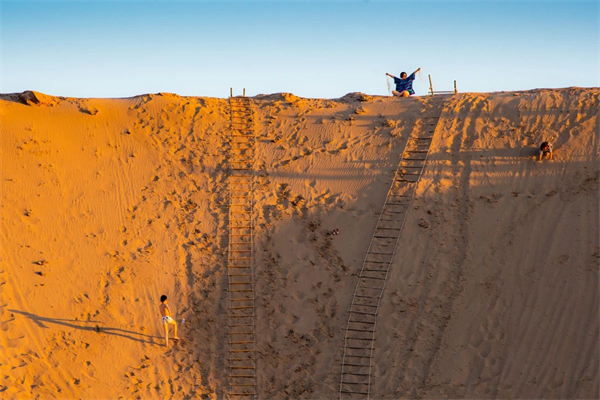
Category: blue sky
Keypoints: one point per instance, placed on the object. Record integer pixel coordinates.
(309, 48)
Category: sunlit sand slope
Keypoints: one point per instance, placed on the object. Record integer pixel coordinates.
(108, 203)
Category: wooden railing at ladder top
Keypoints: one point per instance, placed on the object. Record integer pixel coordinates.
(432, 92)
(240, 256)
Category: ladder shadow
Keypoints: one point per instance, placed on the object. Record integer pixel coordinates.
(80, 325)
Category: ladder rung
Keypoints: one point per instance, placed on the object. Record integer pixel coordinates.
(349, 355)
(374, 270)
(369, 297)
(239, 274)
(353, 374)
(371, 277)
(385, 254)
(361, 312)
(241, 307)
(241, 333)
(240, 283)
(362, 339)
(358, 348)
(359, 330)
(357, 365)
(355, 383)
(240, 290)
(349, 392)
(242, 342)
(365, 305)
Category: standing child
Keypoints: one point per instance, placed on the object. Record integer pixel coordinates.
(165, 313)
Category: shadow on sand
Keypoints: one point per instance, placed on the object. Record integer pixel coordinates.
(85, 326)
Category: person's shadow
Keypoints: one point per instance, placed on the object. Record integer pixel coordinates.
(84, 326)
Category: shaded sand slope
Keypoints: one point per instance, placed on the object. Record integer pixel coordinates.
(109, 203)
(495, 294)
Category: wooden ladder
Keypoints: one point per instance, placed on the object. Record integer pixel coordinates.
(359, 340)
(240, 271)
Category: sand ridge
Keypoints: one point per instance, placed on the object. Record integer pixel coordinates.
(109, 203)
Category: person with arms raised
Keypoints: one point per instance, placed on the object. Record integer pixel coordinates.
(404, 84)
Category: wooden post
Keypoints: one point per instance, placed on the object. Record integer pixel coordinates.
(230, 92)
(430, 85)
(244, 92)
(455, 91)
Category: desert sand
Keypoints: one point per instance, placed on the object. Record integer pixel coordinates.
(108, 203)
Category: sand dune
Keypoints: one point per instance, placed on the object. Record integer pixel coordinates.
(109, 203)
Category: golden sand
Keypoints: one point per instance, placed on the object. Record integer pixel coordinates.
(108, 203)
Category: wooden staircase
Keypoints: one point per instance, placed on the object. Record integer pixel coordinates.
(359, 339)
(240, 271)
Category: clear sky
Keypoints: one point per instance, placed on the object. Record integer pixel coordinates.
(309, 48)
